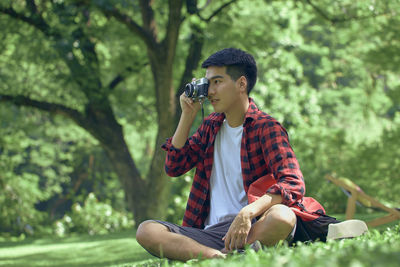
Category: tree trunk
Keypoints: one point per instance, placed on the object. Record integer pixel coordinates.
(146, 198)
(159, 183)
(101, 123)
(161, 55)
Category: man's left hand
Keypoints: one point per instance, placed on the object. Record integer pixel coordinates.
(236, 237)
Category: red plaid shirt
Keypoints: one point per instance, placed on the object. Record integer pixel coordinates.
(265, 150)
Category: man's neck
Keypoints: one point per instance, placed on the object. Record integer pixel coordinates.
(235, 118)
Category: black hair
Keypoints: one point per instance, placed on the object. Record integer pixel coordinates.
(238, 63)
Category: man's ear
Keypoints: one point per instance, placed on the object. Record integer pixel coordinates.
(243, 83)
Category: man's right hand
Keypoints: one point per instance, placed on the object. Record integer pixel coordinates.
(189, 111)
(188, 106)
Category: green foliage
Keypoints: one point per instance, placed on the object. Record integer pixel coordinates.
(374, 167)
(329, 72)
(93, 218)
(327, 86)
(180, 188)
(30, 169)
(47, 164)
(316, 79)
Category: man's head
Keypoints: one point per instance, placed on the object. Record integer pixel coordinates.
(238, 63)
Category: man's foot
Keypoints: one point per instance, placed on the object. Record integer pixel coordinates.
(346, 229)
(256, 246)
(219, 255)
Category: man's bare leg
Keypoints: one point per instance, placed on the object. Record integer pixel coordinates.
(274, 225)
(158, 240)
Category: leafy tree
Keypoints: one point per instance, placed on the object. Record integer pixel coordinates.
(328, 71)
(318, 78)
(72, 55)
(36, 159)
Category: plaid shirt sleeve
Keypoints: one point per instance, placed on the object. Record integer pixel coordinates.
(282, 161)
(180, 161)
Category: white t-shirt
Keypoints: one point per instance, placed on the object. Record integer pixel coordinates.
(227, 195)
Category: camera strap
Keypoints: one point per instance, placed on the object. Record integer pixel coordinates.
(202, 108)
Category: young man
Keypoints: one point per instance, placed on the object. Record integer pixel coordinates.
(248, 187)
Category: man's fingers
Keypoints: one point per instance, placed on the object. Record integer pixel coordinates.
(186, 99)
(237, 241)
(231, 243)
(227, 239)
(240, 241)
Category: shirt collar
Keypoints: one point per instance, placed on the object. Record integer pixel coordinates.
(252, 111)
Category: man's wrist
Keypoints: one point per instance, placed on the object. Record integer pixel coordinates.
(182, 131)
(188, 117)
(247, 213)
(260, 206)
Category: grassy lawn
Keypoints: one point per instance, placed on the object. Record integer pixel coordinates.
(378, 248)
(84, 250)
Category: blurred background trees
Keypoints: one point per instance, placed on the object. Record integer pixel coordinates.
(89, 93)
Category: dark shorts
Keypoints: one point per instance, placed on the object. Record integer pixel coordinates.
(310, 231)
(304, 231)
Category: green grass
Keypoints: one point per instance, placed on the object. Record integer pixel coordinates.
(377, 248)
(372, 250)
(84, 250)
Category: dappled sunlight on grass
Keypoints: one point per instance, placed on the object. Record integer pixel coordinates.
(105, 250)
(376, 248)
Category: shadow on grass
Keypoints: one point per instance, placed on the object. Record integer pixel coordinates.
(71, 239)
(67, 259)
(85, 250)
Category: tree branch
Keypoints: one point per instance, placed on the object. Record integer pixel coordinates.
(35, 20)
(124, 74)
(217, 11)
(337, 19)
(45, 106)
(192, 60)
(131, 24)
(320, 11)
(87, 47)
(205, 5)
(149, 23)
(31, 6)
(174, 22)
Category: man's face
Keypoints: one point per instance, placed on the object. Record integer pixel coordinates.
(223, 92)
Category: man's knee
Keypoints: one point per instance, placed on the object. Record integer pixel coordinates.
(274, 225)
(281, 215)
(148, 231)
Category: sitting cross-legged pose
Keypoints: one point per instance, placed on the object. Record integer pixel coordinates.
(248, 188)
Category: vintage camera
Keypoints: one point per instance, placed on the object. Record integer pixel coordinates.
(197, 90)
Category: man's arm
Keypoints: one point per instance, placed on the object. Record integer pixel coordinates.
(236, 237)
(282, 162)
(189, 111)
(180, 157)
(260, 206)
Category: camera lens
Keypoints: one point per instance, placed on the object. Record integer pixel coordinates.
(189, 90)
